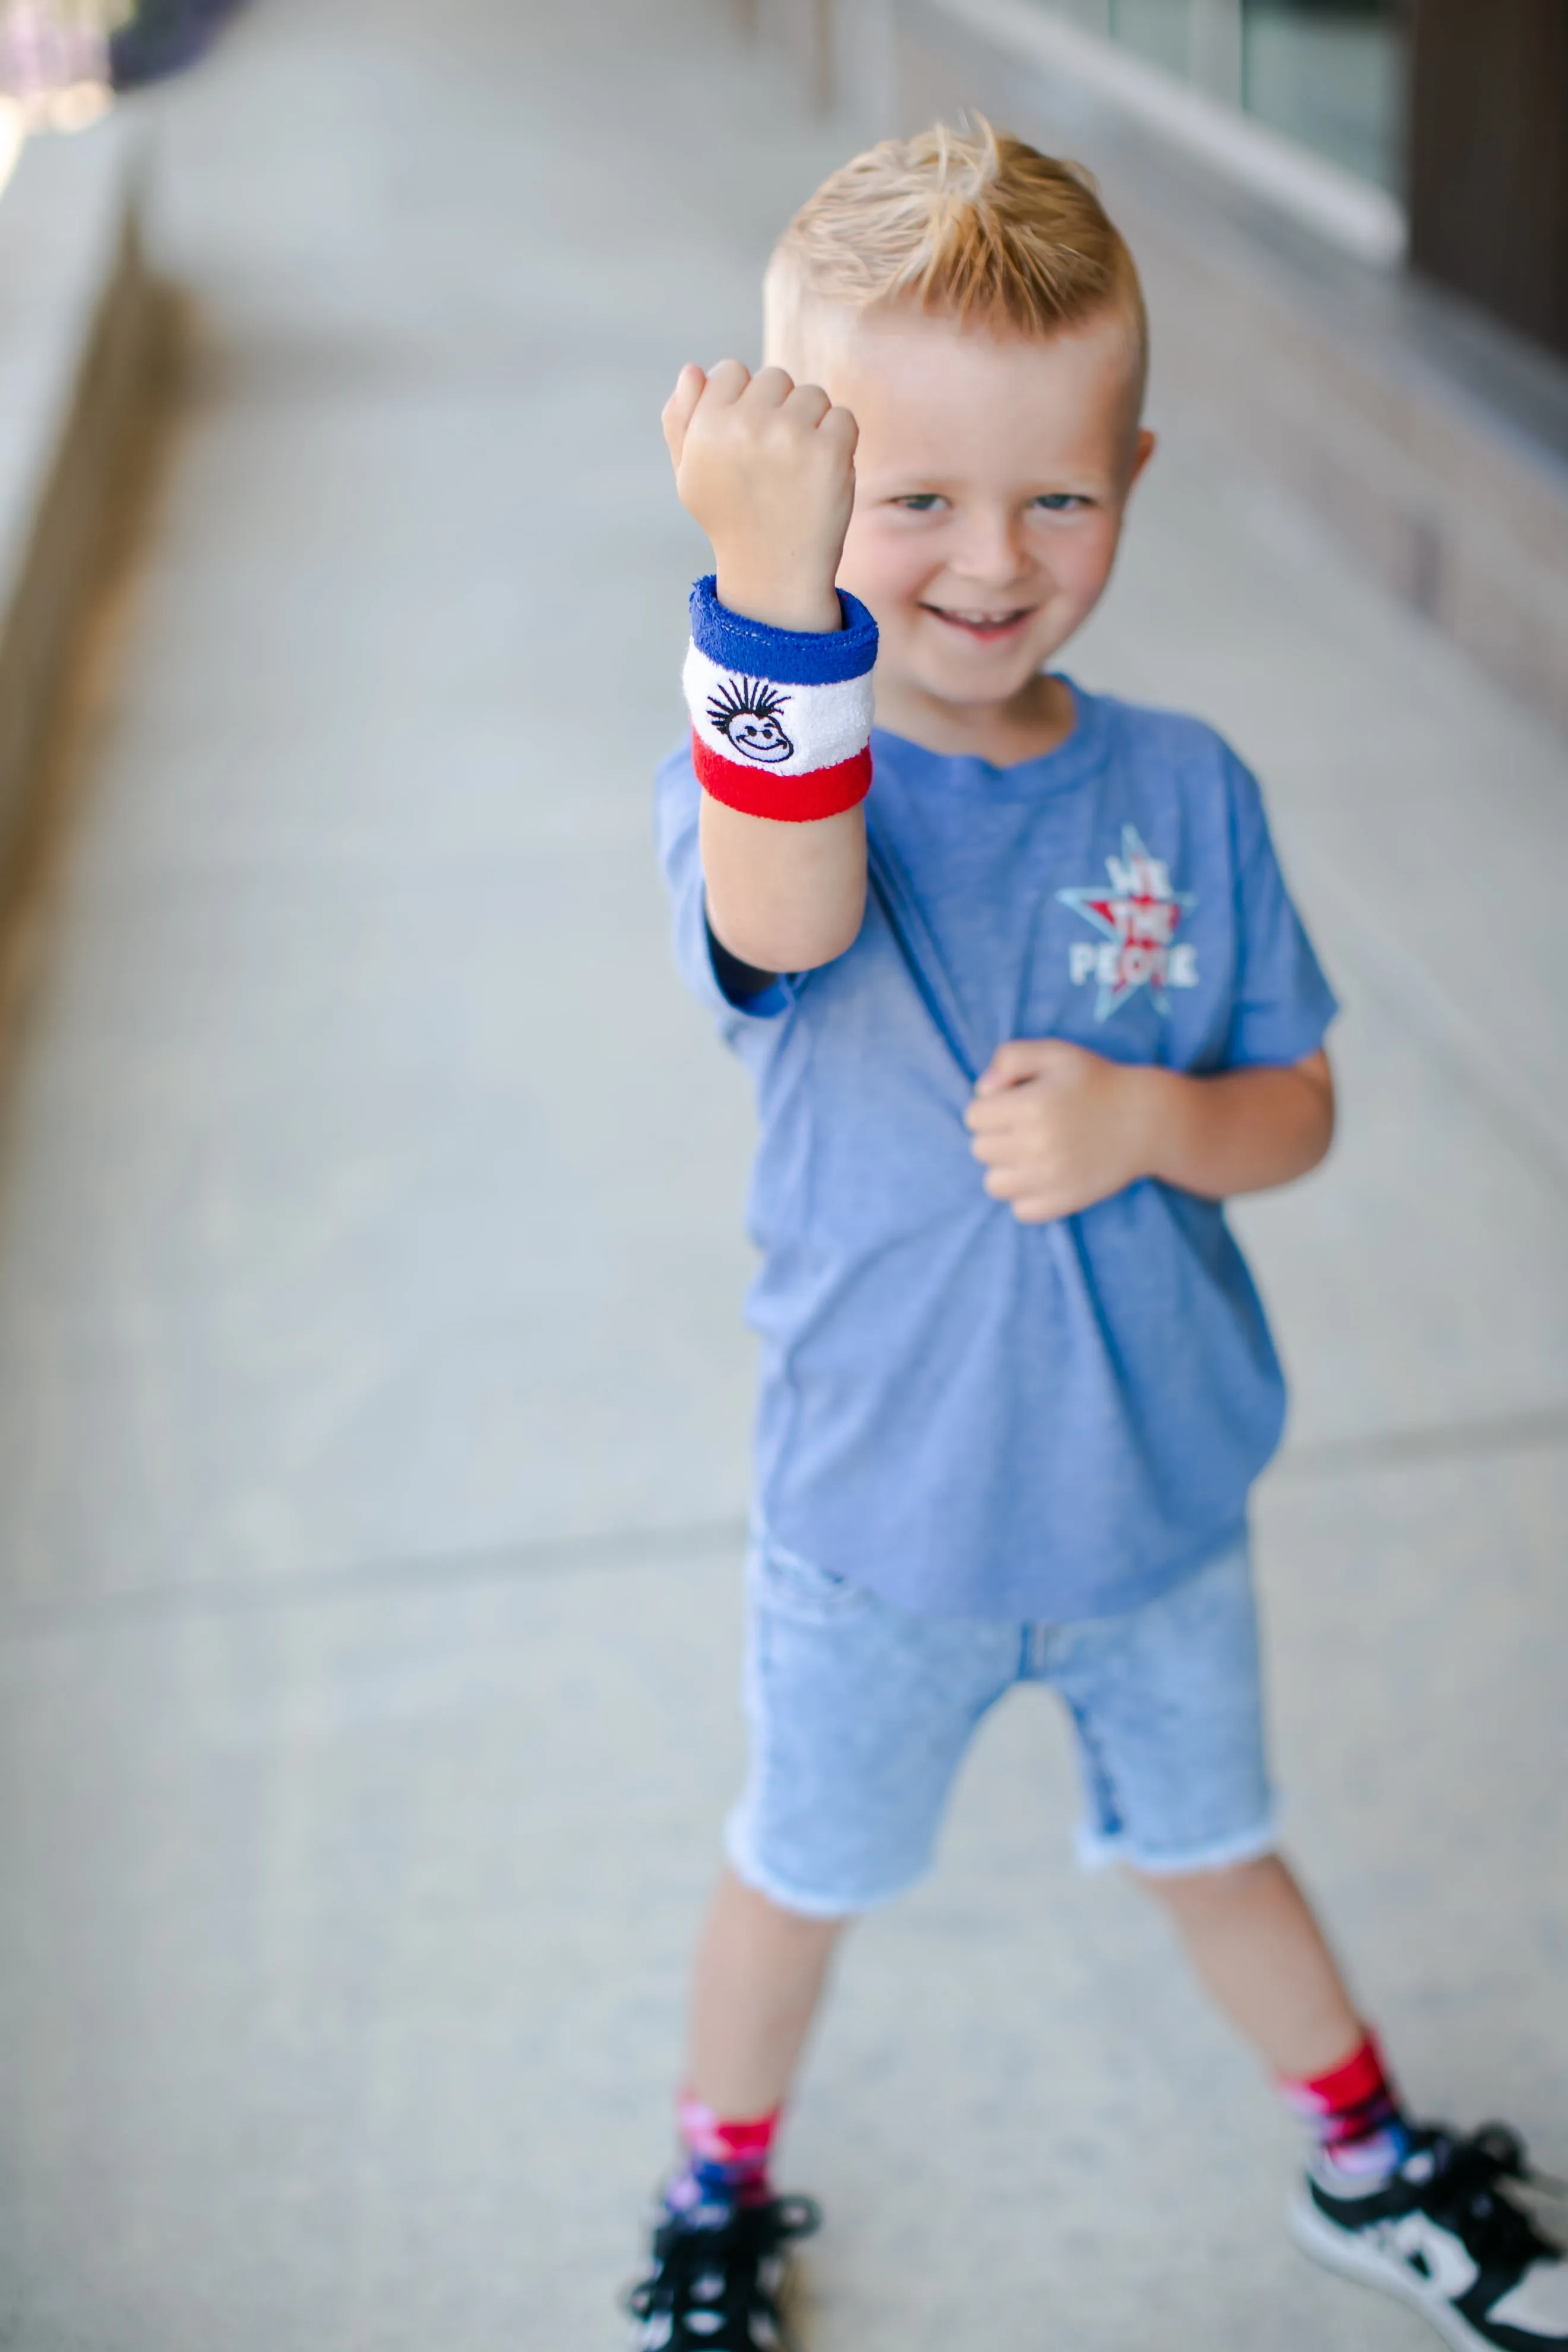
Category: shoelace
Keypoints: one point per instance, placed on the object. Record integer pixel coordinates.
(713, 2273)
(1465, 2194)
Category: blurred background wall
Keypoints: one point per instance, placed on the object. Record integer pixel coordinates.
(1352, 217)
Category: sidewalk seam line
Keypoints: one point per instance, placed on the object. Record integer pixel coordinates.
(626, 1547)
(631, 1547)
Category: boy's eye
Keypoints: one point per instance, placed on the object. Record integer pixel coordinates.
(919, 501)
(1061, 502)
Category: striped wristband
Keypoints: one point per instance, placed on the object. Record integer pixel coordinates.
(781, 718)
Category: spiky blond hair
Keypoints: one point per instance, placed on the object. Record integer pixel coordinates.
(968, 223)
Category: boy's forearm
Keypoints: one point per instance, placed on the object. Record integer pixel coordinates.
(781, 729)
(782, 897)
(778, 675)
(1242, 1131)
(785, 898)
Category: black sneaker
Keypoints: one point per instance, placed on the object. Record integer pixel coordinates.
(1448, 2235)
(715, 2287)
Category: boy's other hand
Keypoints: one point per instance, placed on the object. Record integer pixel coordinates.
(1056, 1127)
(767, 468)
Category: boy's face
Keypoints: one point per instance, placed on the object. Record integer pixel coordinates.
(991, 475)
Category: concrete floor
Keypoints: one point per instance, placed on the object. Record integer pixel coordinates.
(373, 1396)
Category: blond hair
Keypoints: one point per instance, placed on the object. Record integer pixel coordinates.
(970, 224)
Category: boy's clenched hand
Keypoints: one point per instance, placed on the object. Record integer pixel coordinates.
(1056, 1127)
(767, 468)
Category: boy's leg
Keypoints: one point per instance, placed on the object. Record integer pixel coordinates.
(1250, 1934)
(1421, 2212)
(1169, 1714)
(1255, 1943)
(860, 1713)
(759, 1978)
(718, 2253)
(1168, 1703)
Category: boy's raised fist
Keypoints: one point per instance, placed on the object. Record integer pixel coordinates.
(767, 468)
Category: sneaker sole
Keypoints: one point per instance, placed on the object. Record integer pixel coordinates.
(1337, 2253)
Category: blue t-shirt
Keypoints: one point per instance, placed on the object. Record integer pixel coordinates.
(967, 1416)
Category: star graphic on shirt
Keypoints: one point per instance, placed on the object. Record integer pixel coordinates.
(1138, 916)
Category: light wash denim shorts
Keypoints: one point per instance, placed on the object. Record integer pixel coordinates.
(861, 1712)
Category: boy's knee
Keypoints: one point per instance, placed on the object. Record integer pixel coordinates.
(1208, 1889)
(806, 1926)
(778, 1920)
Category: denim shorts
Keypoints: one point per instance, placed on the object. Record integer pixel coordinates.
(861, 1712)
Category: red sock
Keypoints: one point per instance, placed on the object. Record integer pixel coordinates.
(1352, 2112)
(726, 2163)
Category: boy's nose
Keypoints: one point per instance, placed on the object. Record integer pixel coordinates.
(992, 552)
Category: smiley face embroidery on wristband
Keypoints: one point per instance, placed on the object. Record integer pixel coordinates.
(745, 712)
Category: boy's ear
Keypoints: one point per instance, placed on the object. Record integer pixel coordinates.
(1144, 449)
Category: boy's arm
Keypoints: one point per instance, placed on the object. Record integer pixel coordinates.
(1242, 1130)
(767, 468)
(1057, 1128)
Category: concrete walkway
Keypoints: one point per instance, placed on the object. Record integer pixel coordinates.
(373, 1396)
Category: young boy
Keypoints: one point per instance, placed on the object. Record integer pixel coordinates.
(1018, 1025)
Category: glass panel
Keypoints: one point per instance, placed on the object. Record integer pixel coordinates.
(1159, 30)
(1331, 74)
(1216, 49)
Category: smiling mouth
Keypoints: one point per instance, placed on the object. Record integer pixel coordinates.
(985, 626)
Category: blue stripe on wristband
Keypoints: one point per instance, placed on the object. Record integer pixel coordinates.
(783, 656)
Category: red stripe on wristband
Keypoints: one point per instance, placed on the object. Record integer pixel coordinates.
(788, 800)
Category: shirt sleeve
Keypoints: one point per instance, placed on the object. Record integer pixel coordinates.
(1283, 1003)
(740, 981)
(717, 979)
